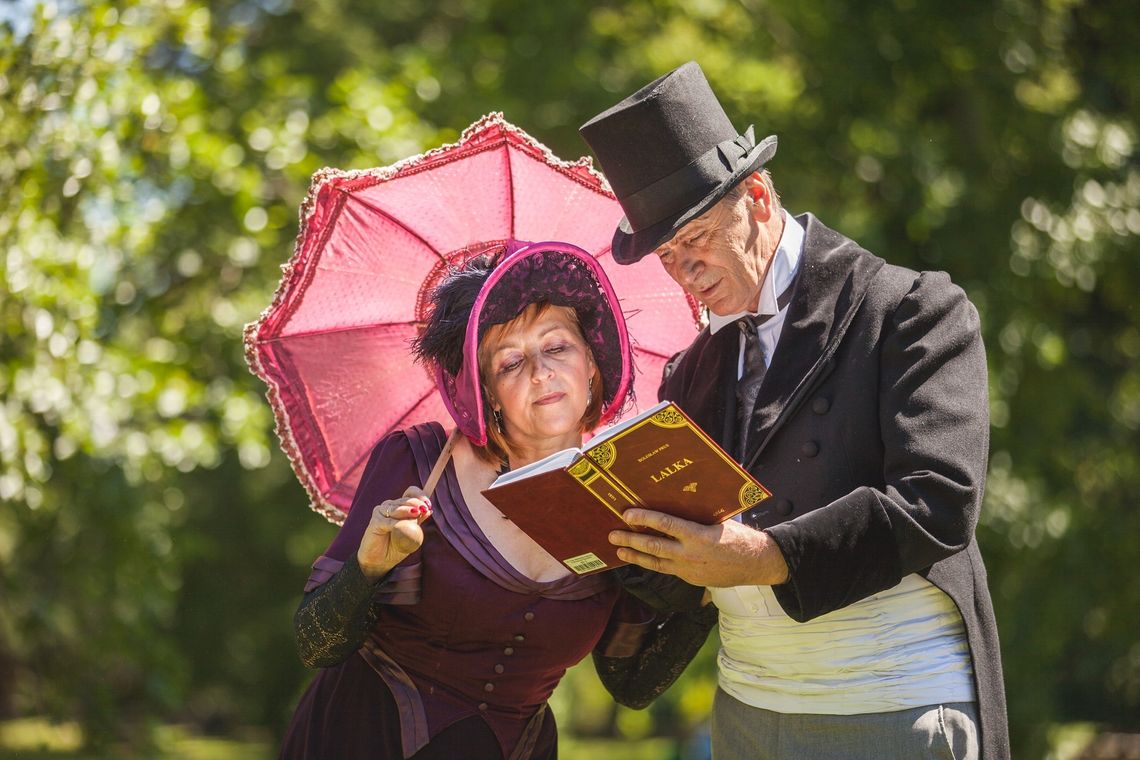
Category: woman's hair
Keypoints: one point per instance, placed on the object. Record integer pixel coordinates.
(441, 342)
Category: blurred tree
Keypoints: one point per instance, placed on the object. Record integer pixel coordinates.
(152, 158)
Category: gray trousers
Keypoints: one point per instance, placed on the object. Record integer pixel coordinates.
(743, 732)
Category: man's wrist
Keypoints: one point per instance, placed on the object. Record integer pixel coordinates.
(771, 569)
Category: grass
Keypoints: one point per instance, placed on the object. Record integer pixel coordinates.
(37, 739)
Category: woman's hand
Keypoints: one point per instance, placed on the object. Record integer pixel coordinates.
(393, 533)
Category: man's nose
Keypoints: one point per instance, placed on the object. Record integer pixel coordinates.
(691, 268)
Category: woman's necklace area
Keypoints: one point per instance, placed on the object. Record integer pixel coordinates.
(503, 470)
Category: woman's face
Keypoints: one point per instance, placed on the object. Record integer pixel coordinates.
(537, 369)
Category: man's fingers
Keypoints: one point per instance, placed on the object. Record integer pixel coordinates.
(648, 561)
(659, 521)
(655, 546)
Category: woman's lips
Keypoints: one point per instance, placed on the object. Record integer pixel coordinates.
(550, 398)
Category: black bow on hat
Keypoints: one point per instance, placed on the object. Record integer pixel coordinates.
(669, 153)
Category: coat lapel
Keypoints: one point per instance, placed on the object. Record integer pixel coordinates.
(707, 375)
(833, 279)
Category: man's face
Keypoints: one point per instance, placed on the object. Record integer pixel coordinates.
(720, 257)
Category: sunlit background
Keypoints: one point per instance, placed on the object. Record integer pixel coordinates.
(153, 540)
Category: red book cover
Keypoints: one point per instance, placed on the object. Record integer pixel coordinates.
(660, 459)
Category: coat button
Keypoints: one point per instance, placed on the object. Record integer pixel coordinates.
(482, 707)
(509, 651)
(488, 686)
(809, 449)
(520, 637)
(499, 669)
(528, 616)
(784, 507)
(820, 405)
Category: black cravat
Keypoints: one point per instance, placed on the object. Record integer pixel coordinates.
(748, 387)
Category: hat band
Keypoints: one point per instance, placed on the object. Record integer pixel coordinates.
(678, 191)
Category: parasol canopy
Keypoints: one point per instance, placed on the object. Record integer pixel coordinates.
(332, 347)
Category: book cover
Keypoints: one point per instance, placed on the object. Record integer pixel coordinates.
(660, 459)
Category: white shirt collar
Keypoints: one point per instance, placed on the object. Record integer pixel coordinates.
(780, 273)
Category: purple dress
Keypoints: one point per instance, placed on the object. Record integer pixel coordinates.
(465, 651)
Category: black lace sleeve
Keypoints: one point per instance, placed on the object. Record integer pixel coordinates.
(660, 591)
(636, 672)
(334, 618)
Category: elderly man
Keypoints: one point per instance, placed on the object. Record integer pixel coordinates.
(855, 621)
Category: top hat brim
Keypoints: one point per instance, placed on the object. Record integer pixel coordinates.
(630, 246)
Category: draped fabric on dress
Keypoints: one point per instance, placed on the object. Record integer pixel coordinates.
(462, 638)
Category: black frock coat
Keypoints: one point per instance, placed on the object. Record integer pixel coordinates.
(871, 429)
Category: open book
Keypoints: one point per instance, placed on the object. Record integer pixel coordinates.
(660, 459)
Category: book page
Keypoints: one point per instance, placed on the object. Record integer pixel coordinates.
(566, 457)
(613, 430)
(553, 462)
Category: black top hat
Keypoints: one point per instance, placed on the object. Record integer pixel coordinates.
(670, 153)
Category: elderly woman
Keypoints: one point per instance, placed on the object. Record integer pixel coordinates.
(444, 637)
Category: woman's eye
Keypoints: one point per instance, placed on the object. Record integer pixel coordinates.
(556, 349)
(510, 366)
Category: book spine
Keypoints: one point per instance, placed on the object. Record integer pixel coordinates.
(598, 482)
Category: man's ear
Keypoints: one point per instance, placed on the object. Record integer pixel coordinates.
(759, 195)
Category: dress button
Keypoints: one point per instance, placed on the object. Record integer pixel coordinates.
(528, 616)
(499, 669)
(520, 637)
(482, 707)
(488, 686)
(784, 507)
(509, 651)
(809, 449)
(820, 405)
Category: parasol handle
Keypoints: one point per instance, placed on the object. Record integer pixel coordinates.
(441, 462)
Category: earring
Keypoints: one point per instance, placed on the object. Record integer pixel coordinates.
(589, 392)
(497, 415)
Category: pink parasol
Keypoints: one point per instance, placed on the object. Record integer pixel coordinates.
(333, 345)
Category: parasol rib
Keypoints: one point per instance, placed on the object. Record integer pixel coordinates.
(335, 331)
(651, 352)
(394, 220)
(511, 182)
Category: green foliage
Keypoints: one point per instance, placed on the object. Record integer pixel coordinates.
(152, 158)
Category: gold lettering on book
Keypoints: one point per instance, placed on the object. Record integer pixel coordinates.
(653, 453)
(672, 469)
(690, 488)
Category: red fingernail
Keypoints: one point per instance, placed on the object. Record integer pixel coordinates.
(427, 500)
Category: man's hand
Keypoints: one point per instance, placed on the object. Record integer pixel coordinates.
(722, 555)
